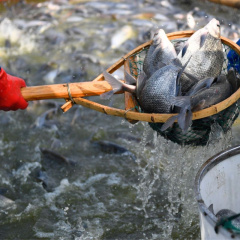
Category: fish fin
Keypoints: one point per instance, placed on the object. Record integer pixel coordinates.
(182, 69)
(190, 76)
(204, 83)
(184, 50)
(178, 88)
(140, 82)
(176, 62)
(185, 115)
(221, 78)
(232, 79)
(107, 95)
(161, 65)
(203, 38)
(210, 208)
(116, 84)
(188, 120)
(199, 106)
(129, 78)
(169, 123)
(209, 81)
(182, 102)
(181, 119)
(178, 85)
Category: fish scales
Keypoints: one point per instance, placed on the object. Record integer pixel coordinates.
(205, 51)
(207, 62)
(160, 51)
(156, 96)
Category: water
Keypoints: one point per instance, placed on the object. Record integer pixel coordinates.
(144, 193)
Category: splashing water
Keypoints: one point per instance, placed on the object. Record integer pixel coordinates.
(105, 195)
(173, 168)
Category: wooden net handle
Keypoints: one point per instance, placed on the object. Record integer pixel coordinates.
(230, 3)
(96, 88)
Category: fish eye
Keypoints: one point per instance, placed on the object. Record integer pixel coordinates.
(218, 25)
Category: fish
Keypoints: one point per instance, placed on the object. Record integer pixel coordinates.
(206, 52)
(154, 94)
(178, 45)
(48, 183)
(157, 93)
(6, 202)
(206, 93)
(121, 36)
(233, 79)
(44, 120)
(228, 219)
(160, 51)
(56, 157)
(111, 147)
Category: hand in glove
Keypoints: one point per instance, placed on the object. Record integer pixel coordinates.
(10, 92)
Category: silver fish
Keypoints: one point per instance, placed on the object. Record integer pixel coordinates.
(160, 51)
(206, 93)
(216, 93)
(155, 95)
(205, 49)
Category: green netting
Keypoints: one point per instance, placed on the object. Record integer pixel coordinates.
(199, 132)
(230, 223)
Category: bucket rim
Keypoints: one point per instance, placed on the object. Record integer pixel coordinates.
(208, 165)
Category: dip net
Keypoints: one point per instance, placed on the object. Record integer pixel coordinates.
(199, 132)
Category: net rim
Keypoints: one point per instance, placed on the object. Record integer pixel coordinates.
(160, 117)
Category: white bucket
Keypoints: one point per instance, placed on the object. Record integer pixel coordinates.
(218, 183)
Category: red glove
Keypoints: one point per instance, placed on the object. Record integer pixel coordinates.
(10, 93)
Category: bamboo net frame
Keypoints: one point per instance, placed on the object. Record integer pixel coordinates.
(133, 115)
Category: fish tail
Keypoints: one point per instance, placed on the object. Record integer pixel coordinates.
(116, 85)
(129, 78)
(182, 102)
(169, 123)
(107, 95)
(184, 117)
(176, 62)
(204, 83)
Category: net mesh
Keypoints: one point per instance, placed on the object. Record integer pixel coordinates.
(199, 132)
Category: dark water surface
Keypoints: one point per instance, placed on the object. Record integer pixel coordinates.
(140, 189)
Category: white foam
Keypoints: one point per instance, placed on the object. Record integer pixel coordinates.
(90, 181)
(50, 196)
(23, 172)
(177, 167)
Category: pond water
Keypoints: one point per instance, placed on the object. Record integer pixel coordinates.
(82, 174)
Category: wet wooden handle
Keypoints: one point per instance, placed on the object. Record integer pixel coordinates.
(230, 3)
(54, 91)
